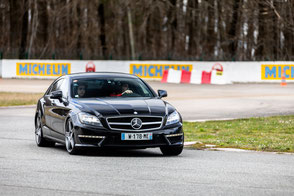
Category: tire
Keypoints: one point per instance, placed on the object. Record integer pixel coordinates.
(40, 140)
(171, 150)
(70, 139)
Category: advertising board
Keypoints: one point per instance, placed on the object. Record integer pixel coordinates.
(42, 69)
(156, 70)
(228, 72)
(275, 71)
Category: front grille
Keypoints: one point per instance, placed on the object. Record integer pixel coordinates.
(124, 123)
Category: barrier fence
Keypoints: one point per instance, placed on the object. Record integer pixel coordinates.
(196, 72)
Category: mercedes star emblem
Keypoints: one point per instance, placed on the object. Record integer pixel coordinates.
(136, 123)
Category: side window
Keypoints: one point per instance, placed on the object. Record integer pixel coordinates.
(57, 85)
(48, 90)
(64, 88)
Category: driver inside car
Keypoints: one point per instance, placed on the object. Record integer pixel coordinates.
(81, 90)
(124, 90)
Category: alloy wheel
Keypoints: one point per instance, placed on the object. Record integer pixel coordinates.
(69, 137)
(38, 130)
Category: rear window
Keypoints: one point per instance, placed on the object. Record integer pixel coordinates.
(115, 87)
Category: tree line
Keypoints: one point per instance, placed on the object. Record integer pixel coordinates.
(245, 30)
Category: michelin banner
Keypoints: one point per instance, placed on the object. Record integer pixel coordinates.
(42, 69)
(235, 72)
(52, 69)
(276, 71)
(155, 71)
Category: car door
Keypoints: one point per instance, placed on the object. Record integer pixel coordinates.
(45, 102)
(59, 110)
(48, 105)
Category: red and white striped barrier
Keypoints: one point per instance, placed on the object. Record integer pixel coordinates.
(174, 76)
(215, 76)
(196, 77)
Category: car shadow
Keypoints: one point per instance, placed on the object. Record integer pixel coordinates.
(114, 152)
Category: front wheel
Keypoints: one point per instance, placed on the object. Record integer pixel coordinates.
(70, 138)
(171, 150)
(40, 140)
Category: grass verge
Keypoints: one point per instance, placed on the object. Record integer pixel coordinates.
(274, 134)
(13, 99)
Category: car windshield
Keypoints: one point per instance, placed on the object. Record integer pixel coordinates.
(115, 87)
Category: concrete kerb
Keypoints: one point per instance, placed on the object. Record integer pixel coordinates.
(209, 147)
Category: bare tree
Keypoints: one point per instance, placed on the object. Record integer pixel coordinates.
(162, 29)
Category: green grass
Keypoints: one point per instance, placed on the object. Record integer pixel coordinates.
(275, 134)
(13, 99)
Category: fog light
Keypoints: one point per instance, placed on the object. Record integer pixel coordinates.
(91, 136)
(174, 135)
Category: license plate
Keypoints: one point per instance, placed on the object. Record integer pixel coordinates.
(136, 136)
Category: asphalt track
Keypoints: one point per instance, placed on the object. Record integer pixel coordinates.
(26, 169)
(201, 102)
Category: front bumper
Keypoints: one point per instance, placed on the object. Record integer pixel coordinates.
(93, 137)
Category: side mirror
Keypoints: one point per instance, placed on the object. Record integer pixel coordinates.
(56, 95)
(162, 93)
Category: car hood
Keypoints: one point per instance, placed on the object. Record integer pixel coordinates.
(116, 106)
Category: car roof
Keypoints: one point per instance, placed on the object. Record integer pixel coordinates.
(100, 74)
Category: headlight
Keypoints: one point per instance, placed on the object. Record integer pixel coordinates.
(89, 119)
(173, 118)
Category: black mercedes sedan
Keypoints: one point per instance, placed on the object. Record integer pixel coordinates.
(107, 110)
